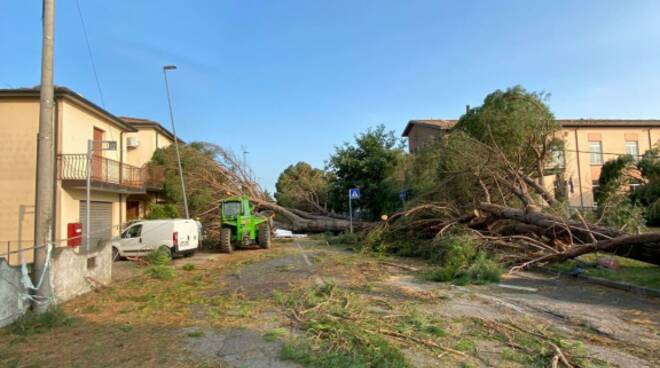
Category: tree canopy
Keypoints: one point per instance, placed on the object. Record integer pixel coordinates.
(371, 164)
(303, 187)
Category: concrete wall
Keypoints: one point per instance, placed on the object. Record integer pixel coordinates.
(12, 304)
(70, 275)
(19, 119)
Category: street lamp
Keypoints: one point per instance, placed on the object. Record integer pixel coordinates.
(102, 146)
(176, 141)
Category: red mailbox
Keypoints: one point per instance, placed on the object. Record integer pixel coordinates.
(74, 234)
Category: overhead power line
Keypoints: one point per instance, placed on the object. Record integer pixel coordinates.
(89, 52)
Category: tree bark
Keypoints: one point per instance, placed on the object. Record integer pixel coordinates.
(642, 247)
(627, 242)
(314, 225)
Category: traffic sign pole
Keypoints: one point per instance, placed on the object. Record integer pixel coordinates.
(350, 210)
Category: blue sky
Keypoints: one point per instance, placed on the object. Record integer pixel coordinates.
(292, 79)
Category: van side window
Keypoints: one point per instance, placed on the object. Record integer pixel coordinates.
(134, 232)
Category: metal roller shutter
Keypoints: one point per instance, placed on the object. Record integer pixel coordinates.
(100, 217)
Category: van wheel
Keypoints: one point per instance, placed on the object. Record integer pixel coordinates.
(225, 240)
(115, 254)
(264, 236)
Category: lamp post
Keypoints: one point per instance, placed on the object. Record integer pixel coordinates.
(103, 146)
(176, 140)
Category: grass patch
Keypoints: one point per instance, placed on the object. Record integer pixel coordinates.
(196, 334)
(275, 334)
(630, 270)
(332, 336)
(188, 267)
(32, 323)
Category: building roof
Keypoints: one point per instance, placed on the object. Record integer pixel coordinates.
(63, 92)
(146, 123)
(443, 124)
(429, 123)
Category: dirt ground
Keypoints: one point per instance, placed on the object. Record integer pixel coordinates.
(226, 311)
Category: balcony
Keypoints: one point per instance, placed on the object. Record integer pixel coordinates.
(106, 174)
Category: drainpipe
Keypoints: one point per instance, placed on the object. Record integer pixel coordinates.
(649, 135)
(577, 154)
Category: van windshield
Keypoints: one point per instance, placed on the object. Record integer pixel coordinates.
(231, 209)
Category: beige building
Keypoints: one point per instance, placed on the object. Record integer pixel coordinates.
(588, 144)
(119, 177)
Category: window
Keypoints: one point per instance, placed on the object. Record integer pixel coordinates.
(594, 191)
(132, 232)
(632, 149)
(596, 152)
(231, 209)
(558, 159)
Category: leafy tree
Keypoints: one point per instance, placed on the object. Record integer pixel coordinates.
(517, 123)
(303, 187)
(372, 164)
(195, 160)
(161, 211)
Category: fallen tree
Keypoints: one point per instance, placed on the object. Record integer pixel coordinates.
(213, 174)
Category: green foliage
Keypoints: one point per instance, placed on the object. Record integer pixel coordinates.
(371, 164)
(161, 211)
(334, 342)
(33, 323)
(619, 212)
(196, 157)
(188, 267)
(462, 264)
(517, 121)
(160, 261)
(613, 177)
(303, 187)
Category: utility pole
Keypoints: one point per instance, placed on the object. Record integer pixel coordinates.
(176, 140)
(43, 221)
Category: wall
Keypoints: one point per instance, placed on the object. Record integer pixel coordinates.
(613, 144)
(12, 305)
(421, 135)
(70, 275)
(77, 127)
(69, 208)
(150, 140)
(19, 119)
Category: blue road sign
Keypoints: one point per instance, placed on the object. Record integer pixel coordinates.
(403, 195)
(354, 193)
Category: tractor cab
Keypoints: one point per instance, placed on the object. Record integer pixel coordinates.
(239, 227)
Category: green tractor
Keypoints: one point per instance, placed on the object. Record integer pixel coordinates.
(239, 227)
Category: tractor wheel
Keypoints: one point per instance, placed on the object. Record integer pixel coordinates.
(225, 240)
(264, 235)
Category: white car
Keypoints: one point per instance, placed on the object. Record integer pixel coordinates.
(143, 237)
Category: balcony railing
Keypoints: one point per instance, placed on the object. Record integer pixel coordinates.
(103, 170)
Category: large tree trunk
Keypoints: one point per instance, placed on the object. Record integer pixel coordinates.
(311, 223)
(615, 245)
(645, 247)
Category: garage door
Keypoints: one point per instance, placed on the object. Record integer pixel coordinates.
(100, 218)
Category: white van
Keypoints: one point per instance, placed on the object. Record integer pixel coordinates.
(143, 237)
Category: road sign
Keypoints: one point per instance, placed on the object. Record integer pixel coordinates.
(354, 193)
(403, 195)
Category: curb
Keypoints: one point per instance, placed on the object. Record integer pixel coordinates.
(621, 285)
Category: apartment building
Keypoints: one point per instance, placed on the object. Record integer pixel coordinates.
(121, 184)
(589, 143)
